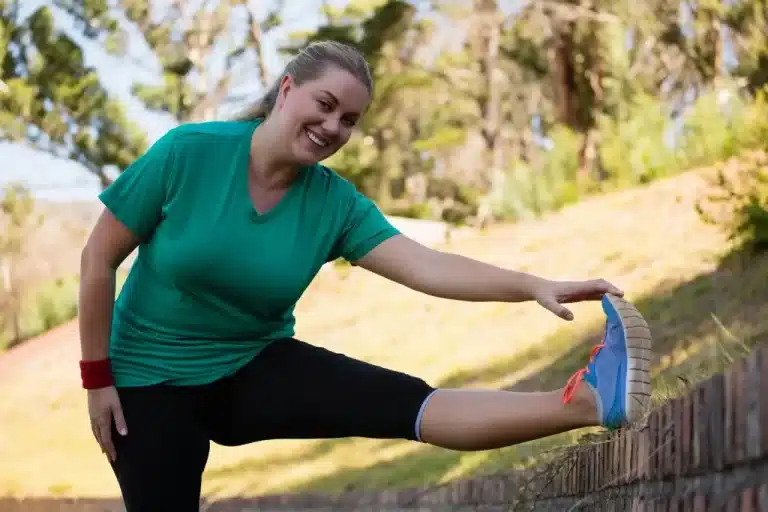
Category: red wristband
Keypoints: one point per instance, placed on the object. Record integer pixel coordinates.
(96, 374)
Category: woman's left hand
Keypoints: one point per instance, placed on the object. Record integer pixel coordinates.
(551, 294)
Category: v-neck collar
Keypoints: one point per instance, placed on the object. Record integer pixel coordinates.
(243, 183)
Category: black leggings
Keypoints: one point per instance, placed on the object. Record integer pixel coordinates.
(292, 390)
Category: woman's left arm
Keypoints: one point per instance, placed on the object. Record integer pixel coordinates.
(452, 276)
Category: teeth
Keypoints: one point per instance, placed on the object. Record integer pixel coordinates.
(317, 140)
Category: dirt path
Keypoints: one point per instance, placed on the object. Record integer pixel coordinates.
(60, 344)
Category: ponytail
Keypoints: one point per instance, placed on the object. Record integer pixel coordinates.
(262, 108)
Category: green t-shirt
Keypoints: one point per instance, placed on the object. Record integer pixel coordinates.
(214, 281)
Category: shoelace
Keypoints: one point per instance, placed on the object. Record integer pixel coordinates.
(570, 387)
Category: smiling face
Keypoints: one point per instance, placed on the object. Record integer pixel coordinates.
(316, 118)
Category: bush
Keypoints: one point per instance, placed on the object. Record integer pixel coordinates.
(47, 306)
(635, 147)
(50, 305)
(531, 189)
(738, 202)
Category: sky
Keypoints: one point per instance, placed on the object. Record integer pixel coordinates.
(61, 180)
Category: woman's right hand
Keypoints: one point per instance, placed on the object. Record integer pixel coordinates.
(103, 407)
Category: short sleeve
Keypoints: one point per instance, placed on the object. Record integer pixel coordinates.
(136, 198)
(364, 228)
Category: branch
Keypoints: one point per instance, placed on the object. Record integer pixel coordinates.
(255, 38)
(572, 12)
(639, 58)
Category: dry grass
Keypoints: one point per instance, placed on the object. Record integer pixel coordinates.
(649, 241)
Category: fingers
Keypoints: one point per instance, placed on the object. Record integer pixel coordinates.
(606, 287)
(102, 430)
(104, 426)
(589, 290)
(117, 412)
(557, 308)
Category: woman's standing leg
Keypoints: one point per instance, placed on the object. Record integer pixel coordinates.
(160, 461)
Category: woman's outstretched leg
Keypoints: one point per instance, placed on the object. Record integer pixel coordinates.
(617, 392)
(464, 419)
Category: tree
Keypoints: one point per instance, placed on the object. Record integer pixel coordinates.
(385, 32)
(197, 46)
(18, 219)
(56, 103)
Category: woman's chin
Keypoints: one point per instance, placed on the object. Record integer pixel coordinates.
(305, 159)
(305, 156)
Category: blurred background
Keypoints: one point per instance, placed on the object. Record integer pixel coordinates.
(573, 139)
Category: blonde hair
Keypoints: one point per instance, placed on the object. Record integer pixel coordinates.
(309, 65)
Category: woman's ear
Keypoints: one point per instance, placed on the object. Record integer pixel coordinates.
(286, 85)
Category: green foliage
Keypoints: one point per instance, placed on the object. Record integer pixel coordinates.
(48, 305)
(531, 191)
(633, 146)
(16, 220)
(54, 101)
(738, 203)
(710, 128)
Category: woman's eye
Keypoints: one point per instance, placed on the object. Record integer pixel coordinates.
(324, 104)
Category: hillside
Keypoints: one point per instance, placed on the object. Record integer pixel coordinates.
(648, 240)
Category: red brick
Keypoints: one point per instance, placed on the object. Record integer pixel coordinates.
(686, 435)
(752, 439)
(715, 409)
(595, 465)
(615, 461)
(688, 503)
(728, 413)
(645, 449)
(700, 429)
(740, 418)
(653, 444)
(734, 417)
(699, 503)
(599, 457)
(764, 400)
(618, 478)
(669, 439)
(630, 475)
(762, 497)
(574, 472)
(748, 501)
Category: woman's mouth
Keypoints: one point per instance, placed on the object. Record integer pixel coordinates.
(318, 140)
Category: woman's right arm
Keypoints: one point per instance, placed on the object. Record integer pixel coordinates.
(108, 245)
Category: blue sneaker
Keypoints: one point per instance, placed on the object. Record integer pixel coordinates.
(618, 372)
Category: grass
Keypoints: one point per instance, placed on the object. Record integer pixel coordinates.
(648, 240)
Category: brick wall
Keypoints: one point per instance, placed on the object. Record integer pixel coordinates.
(707, 450)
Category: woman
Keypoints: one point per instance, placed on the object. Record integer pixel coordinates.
(233, 220)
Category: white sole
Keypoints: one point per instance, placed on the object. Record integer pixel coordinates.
(639, 344)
